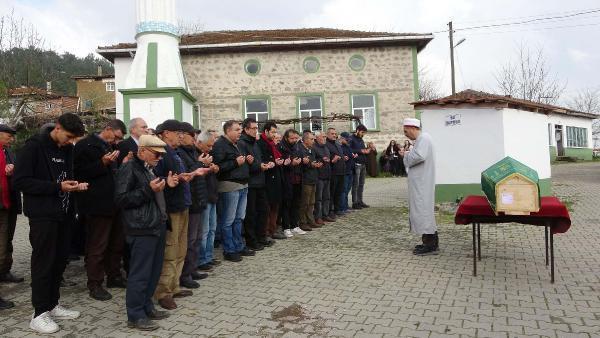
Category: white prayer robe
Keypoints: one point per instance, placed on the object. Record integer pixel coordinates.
(420, 166)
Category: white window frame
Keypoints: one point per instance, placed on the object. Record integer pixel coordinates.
(256, 114)
(550, 134)
(374, 126)
(311, 112)
(576, 137)
(110, 86)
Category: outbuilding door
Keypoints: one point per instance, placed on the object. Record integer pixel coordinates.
(558, 136)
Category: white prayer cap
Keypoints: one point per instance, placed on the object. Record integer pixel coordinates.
(410, 122)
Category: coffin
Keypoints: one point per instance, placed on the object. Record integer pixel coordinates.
(511, 187)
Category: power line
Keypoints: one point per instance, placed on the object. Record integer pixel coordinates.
(525, 22)
(528, 21)
(527, 17)
(531, 29)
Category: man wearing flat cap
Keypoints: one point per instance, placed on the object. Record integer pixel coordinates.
(419, 163)
(139, 193)
(179, 200)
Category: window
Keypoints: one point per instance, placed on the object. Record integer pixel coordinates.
(311, 64)
(577, 137)
(87, 104)
(257, 108)
(363, 107)
(357, 63)
(252, 67)
(110, 86)
(310, 106)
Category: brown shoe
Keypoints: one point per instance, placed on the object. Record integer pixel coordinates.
(315, 226)
(167, 303)
(183, 293)
(328, 219)
(319, 221)
(306, 227)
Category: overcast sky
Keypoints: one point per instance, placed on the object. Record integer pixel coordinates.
(571, 45)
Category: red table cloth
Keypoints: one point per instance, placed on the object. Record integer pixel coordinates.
(478, 209)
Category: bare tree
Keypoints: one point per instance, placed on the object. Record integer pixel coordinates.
(429, 88)
(588, 100)
(189, 27)
(529, 77)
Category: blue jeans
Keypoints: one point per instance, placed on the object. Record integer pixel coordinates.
(348, 179)
(207, 239)
(231, 212)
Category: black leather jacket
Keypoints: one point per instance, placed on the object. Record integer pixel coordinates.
(140, 209)
(224, 155)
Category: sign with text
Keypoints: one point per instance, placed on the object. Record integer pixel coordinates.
(453, 120)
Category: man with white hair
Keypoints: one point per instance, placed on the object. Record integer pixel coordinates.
(420, 166)
(137, 127)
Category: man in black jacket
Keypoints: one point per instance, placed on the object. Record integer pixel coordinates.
(44, 173)
(292, 184)
(139, 193)
(256, 207)
(310, 176)
(95, 162)
(189, 154)
(322, 198)
(233, 177)
(338, 172)
(273, 178)
(129, 147)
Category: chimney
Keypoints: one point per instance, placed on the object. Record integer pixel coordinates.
(99, 70)
(49, 87)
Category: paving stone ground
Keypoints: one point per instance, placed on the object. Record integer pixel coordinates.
(358, 277)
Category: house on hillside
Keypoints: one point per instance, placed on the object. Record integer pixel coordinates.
(96, 92)
(289, 73)
(31, 101)
(472, 130)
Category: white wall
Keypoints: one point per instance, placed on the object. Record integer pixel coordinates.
(570, 121)
(463, 151)
(153, 110)
(122, 66)
(526, 139)
(187, 112)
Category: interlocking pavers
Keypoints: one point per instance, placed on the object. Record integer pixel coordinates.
(357, 277)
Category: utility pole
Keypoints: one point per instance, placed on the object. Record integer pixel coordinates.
(452, 56)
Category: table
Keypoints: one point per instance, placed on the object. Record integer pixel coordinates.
(553, 215)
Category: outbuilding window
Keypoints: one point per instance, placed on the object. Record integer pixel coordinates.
(110, 86)
(577, 137)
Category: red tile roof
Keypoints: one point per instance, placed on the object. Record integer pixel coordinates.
(470, 96)
(268, 39)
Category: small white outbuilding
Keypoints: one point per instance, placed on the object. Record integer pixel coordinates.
(472, 130)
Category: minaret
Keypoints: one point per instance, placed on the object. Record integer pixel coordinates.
(155, 88)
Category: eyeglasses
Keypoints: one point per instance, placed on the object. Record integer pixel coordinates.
(155, 153)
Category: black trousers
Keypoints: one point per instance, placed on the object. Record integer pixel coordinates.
(290, 208)
(256, 216)
(50, 243)
(336, 186)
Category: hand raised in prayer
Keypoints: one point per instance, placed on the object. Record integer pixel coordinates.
(9, 169)
(215, 168)
(249, 159)
(240, 160)
(110, 158)
(172, 180)
(157, 184)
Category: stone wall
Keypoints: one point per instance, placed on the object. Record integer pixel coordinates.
(220, 83)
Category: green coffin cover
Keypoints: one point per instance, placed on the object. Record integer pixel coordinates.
(501, 170)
